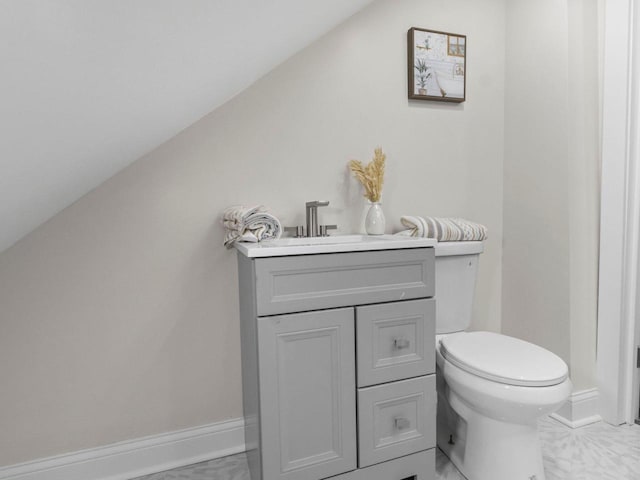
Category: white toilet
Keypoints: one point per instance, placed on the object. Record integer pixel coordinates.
(492, 388)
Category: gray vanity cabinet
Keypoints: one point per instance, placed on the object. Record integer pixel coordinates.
(338, 365)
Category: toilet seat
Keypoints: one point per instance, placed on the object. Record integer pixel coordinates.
(503, 359)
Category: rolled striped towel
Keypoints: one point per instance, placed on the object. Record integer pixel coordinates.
(249, 224)
(444, 229)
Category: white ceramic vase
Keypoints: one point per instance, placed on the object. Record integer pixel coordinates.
(374, 223)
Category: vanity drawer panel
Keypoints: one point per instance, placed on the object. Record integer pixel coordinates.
(417, 466)
(395, 341)
(396, 419)
(312, 282)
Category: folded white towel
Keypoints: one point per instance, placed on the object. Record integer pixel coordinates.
(444, 229)
(249, 224)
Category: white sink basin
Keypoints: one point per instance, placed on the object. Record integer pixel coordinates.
(335, 244)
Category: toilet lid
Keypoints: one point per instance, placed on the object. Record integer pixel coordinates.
(503, 359)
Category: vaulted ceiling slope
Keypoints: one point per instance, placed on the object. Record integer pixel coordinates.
(89, 86)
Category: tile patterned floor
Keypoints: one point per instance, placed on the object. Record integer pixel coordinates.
(595, 452)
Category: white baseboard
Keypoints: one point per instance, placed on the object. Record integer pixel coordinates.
(580, 409)
(133, 458)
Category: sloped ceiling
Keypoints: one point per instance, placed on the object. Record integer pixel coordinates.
(89, 86)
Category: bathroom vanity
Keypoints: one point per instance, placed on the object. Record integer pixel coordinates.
(338, 358)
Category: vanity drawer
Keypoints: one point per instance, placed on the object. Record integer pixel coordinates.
(418, 466)
(313, 282)
(396, 419)
(395, 341)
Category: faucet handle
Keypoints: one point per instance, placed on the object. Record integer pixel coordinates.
(324, 228)
(317, 203)
(297, 231)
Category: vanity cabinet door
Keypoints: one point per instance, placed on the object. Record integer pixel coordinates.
(307, 394)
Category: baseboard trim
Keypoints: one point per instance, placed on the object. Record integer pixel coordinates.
(580, 409)
(134, 458)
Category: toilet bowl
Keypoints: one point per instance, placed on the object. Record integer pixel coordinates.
(488, 407)
(492, 388)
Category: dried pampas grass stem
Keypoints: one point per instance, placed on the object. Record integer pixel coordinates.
(370, 176)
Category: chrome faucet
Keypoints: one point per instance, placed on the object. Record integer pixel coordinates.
(311, 210)
(313, 228)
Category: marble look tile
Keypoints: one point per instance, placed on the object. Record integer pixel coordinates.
(233, 467)
(595, 452)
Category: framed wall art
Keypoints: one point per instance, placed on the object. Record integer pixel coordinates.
(437, 65)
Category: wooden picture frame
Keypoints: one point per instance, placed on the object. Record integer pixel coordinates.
(436, 65)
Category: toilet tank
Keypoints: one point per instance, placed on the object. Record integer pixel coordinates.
(456, 269)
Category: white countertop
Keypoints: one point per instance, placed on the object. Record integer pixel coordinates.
(333, 244)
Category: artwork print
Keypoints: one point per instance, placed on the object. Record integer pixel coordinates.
(437, 65)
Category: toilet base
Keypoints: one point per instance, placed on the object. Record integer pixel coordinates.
(484, 448)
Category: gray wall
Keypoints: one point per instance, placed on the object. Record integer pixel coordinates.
(119, 316)
(551, 179)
